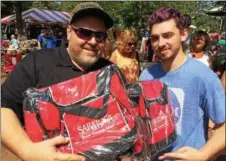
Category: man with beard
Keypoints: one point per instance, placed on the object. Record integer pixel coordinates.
(197, 89)
(86, 34)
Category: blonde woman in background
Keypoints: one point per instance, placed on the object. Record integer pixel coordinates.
(126, 57)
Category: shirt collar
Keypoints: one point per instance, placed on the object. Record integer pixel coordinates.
(63, 59)
(62, 56)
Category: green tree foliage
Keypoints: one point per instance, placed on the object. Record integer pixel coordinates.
(132, 14)
(49, 5)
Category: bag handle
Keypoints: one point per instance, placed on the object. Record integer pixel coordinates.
(161, 100)
(103, 85)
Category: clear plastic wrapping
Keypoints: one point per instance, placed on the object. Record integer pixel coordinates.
(93, 110)
(155, 120)
(103, 116)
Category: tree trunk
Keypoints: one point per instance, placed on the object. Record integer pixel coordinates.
(19, 21)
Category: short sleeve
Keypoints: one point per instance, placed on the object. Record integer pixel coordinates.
(145, 75)
(39, 38)
(215, 101)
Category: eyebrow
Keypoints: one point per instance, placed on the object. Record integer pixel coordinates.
(166, 33)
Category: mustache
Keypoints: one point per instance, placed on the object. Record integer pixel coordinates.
(93, 48)
(162, 49)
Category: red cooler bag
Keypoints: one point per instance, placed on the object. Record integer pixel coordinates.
(93, 110)
(156, 125)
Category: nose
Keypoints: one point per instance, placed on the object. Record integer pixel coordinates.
(161, 42)
(93, 40)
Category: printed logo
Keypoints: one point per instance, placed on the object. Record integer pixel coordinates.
(159, 122)
(97, 126)
(176, 97)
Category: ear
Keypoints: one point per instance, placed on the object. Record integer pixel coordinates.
(184, 35)
(69, 32)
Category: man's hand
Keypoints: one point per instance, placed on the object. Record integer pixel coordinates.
(46, 151)
(185, 154)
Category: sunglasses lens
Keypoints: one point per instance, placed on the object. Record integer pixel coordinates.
(84, 33)
(131, 44)
(87, 34)
(100, 36)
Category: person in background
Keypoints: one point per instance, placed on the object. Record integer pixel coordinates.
(42, 39)
(4, 37)
(199, 47)
(14, 42)
(150, 52)
(59, 39)
(126, 57)
(54, 39)
(49, 40)
(188, 20)
(195, 91)
(86, 35)
(106, 50)
(116, 34)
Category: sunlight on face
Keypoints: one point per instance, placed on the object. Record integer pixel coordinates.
(167, 41)
(85, 52)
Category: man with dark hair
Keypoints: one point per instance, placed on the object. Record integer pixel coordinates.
(86, 34)
(195, 91)
(42, 39)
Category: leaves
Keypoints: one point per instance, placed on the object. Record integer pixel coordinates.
(134, 14)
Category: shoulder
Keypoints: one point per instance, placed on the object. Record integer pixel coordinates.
(46, 52)
(40, 36)
(39, 57)
(113, 57)
(200, 70)
(149, 73)
(102, 62)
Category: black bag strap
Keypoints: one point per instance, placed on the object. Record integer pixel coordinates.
(162, 99)
(103, 85)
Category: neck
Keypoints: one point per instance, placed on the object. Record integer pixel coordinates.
(198, 54)
(76, 64)
(79, 66)
(126, 55)
(175, 62)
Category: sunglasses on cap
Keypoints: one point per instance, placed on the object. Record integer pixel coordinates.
(87, 34)
(131, 44)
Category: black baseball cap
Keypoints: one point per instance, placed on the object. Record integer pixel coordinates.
(92, 9)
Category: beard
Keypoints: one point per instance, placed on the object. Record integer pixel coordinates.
(82, 59)
(169, 56)
(85, 62)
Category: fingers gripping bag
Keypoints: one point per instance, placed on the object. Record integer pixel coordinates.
(93, 110)
(156, 126)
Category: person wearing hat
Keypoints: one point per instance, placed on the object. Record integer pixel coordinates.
(86, 35)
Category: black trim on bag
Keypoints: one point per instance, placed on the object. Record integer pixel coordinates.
(161, 100)
(32, 95)
(114, 148)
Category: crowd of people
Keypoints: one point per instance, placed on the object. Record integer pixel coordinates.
(50, 39)
(195, 91)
